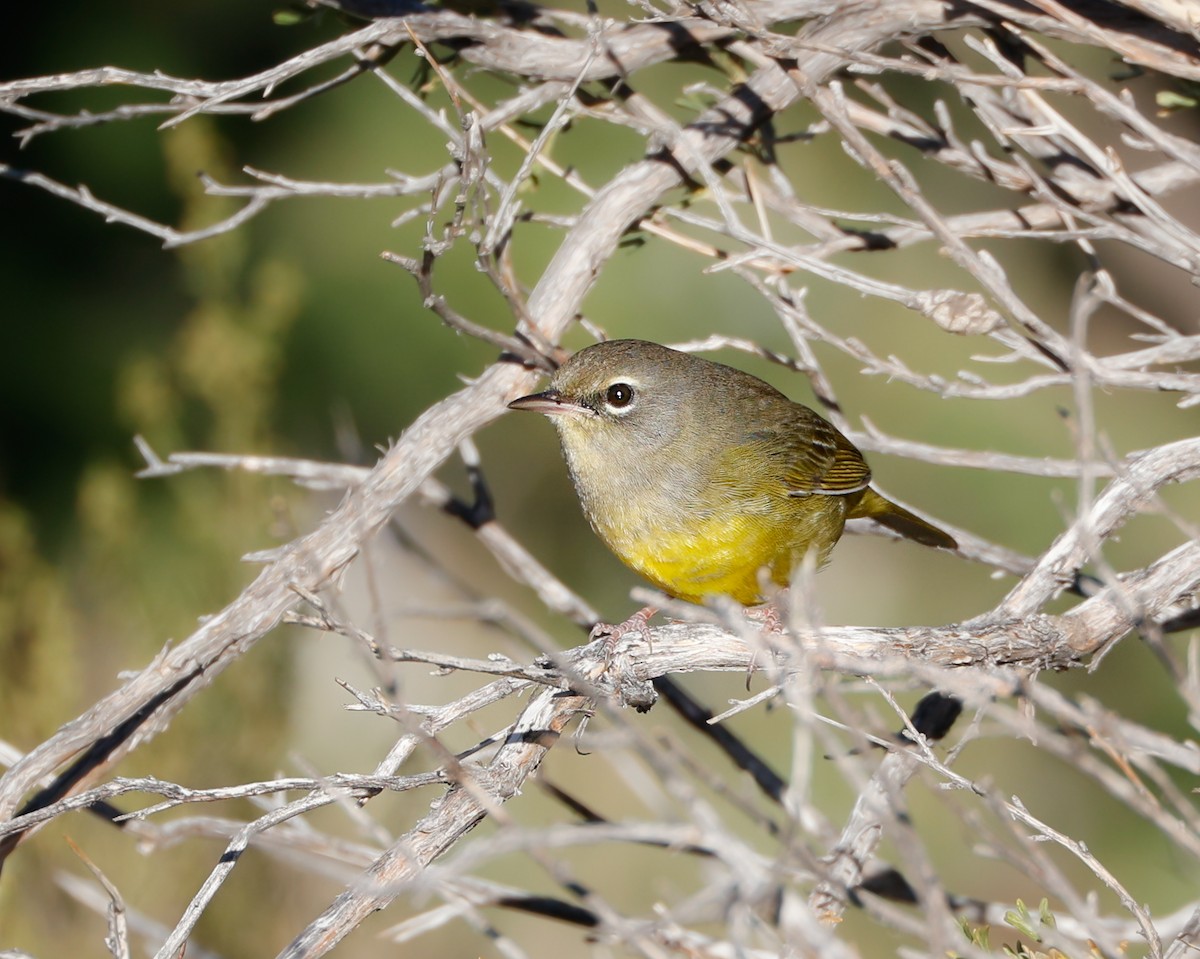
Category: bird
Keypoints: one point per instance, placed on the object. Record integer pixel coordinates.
(704, 479)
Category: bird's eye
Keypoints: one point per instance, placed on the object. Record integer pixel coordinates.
(619, 395)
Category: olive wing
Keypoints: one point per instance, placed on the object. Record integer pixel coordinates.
(807, 453)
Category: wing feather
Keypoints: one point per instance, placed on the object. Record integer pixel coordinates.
(787, 445)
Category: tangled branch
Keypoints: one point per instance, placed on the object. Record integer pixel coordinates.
(1011, 111)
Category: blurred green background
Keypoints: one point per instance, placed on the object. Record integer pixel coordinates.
(293, 337)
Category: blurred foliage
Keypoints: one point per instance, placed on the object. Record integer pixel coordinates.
(1024, 922)
(132, 563)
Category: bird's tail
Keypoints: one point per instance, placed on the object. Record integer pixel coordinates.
(899, 520)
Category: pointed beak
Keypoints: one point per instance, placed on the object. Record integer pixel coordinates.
(552, 403)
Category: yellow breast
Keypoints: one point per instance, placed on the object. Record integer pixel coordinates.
(732, 553)
(700, 521)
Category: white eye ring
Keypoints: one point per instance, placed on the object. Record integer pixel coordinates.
(618, 396)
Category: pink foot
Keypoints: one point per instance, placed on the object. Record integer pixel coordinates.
(768, 617)
(636, 623)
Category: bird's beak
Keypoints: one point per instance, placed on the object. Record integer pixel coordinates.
(552, 403)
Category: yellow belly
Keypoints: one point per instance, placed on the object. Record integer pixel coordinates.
(731, 554)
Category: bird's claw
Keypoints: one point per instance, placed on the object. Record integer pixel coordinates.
(637, 623)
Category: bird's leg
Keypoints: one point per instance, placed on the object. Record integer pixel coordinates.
(769, 616)
(636, 623)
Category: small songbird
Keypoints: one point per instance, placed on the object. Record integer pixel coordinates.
(700, 477)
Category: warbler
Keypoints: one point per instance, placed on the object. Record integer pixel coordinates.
(704, 479)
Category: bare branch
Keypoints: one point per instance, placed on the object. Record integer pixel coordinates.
(1015, 150)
